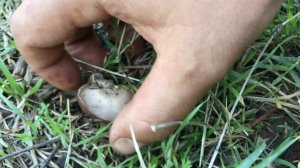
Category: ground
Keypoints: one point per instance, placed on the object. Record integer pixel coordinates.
(267, 116)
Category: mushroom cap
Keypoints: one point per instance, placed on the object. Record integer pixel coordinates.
(105, 102)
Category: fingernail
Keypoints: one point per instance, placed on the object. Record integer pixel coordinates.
(125, 146)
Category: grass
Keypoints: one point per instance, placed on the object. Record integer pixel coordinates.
(32, 111)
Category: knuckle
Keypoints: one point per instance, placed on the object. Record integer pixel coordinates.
(18, 26)
(113, 7)
(14, 25)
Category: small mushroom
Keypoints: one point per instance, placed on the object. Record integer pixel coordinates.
(101, 98)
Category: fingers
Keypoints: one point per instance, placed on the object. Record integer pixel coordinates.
(40, 30)
(86, 46)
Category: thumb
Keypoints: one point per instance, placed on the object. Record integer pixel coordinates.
(168, 94)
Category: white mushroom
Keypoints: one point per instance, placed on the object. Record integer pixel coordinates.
(101, 98)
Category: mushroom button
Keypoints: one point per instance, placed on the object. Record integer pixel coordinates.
(101, 98)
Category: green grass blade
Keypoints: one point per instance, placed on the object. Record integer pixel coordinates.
(11, 106)
(15, 110)
(295, 77)
(185, 123)
(253, 157)
(99, 134)
(7, 50)
(12, 82)
(277, 152)
(35, 88)
(284, 163)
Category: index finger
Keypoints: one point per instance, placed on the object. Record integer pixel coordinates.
(40, 29)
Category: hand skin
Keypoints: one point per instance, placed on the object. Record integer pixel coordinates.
(197, 41)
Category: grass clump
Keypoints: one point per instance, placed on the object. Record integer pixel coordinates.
(263, 131)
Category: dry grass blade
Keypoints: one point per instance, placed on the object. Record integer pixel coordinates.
(296, 94)
(69, 151)
(136, 147)
(107, 71)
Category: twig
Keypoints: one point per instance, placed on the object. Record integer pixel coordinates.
(264, 117)
(51, 156)
(107, 71)
(276, 32)
(53, 140)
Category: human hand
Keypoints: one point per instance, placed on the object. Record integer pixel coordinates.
(196, 43)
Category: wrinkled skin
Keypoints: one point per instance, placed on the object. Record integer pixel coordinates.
(197, 41)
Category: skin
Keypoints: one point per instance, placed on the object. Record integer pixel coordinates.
(197, 41)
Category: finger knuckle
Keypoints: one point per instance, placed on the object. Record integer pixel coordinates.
(15, 26)
(113, 7)
(18, 28)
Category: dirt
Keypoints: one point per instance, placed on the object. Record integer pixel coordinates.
(272, 131)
